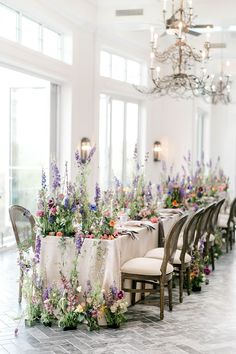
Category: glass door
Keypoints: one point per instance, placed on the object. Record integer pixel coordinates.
(25, 141)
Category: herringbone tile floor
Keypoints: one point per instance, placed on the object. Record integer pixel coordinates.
(205, 323)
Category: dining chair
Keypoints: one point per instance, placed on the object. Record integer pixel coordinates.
(157, 272)
(203, 224)
(23, 225)
(227, 225)
(182, 259)
(209, 237)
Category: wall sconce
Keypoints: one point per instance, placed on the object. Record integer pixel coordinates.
(85, 149)
(157, 151)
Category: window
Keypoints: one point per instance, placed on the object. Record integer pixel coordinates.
(32, 34)
(119, 68)
(8, 23)
(202, 135)
(118, 134)
(27, 140)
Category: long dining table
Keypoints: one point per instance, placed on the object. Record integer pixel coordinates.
(99, 260)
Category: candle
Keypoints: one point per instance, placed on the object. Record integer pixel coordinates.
(155, 40)
(164, 5)
(151, 34)
(152, 56)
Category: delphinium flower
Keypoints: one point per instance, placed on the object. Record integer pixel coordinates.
(37, 250)
(79, 240)
(56, 178)
(148, 193)
(43, 180)
(97, 196)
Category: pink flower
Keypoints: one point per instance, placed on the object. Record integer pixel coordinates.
(154, 219)
(61, 196)
(40, 213)
(53, 211)
(107, 213)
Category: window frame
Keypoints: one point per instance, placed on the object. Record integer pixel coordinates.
(125, 100)
(126, 59)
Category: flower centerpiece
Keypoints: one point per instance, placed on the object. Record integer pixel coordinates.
(114, 307)
(175, 196)
(92, 305)
(57, 206)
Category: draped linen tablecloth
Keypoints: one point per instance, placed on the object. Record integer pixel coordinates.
(99, 260)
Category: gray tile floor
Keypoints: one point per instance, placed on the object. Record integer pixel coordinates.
(205, 323)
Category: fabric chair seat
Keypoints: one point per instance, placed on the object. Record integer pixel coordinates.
(159, 254)
(145, 266)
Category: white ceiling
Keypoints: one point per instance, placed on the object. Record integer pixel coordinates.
(221, 13)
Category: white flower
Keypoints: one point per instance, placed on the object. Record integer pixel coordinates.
(79, 289)
(113, 308)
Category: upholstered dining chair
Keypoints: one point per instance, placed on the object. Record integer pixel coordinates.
(157, 272)
(203, 224)
(23, 225)
(227, 224)
(209, 236)
(182, 259)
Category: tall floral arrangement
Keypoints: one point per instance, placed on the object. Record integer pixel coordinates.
(114, 307)
(57, 205)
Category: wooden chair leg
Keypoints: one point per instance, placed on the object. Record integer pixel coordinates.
(143, 294)
(227, 241)
(231, 239)
(170, 294)
(188, 280)
(162, 300)
(181, 285)
(212, 257)
(20, 286)
(133, 295)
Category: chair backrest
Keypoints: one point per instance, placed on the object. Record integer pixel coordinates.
(215, 215)
(232, 212)
(190, 232)
(203, 223)
(171, 242)
(23, 225)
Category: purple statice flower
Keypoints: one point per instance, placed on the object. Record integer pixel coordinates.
(97, 196)
(148, 193)
(201, 246)
(78, 158)
(56, 178)
(182, 193)
(37, 250)
(46, 294)
(90, 155)
(66, 202)
(16, 332)
(73, 208)
(43, 180)
(79, 240)
(114, 290)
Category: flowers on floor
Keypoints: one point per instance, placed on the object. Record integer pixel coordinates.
(114, 307)
(197, 275)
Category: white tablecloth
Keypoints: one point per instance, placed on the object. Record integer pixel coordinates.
(100, 260)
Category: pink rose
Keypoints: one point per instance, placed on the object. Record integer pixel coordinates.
(154, 219)
(53, 211)
(40, 213)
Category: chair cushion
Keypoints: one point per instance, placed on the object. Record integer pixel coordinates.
(222, 220)
(145, 266)
(159, 253)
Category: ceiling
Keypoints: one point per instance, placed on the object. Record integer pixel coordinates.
(221, 13)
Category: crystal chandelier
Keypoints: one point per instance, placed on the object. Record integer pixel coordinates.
(181, 82)
(218, 89)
